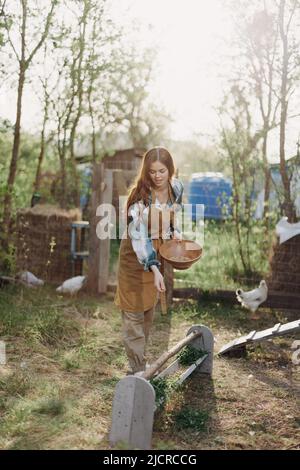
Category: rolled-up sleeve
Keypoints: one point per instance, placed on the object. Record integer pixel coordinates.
(138, 232)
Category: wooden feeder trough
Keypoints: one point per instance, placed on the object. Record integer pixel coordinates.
(134, 400)
(180, 254)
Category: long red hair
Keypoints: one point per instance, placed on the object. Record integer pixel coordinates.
(141, 187)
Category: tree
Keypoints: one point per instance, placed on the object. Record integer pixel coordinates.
(24, 58)
(45, 103)
(268, 58)
(132, 102)
(288, 16)
(84, 67)
(261, 42)
(240, 143)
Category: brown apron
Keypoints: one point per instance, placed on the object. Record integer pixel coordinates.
(136, 291)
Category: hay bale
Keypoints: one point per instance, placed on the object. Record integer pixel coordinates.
(285, 266)
(43, 241)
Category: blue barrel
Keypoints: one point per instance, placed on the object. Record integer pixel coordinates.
(213, 190)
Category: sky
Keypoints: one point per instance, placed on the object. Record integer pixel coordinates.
(192, 39)
(189, 38)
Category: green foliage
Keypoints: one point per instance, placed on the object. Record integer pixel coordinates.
(16, 384)
(71, 361)
(163, 387)
(8, 259)
(240, 146)
(23, 187)
(51, 329)
(195, 420)
(50, 406)
(220, 266)
(189, 355)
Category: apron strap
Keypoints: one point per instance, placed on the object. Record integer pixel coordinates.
(163, 301)
(152, 196)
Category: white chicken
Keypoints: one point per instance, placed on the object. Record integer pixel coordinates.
(30, 279)
(253, 298)
(285, 230)
(72, 285)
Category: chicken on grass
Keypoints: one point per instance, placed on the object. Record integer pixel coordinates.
(253, 298)
(72, 285)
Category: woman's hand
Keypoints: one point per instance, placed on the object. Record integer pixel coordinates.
(158, 279)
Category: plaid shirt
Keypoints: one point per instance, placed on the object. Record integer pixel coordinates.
(138, 227)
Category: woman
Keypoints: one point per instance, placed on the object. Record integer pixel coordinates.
(151, 207)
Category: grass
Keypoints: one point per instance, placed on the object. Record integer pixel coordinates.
(50, 406)
(189, 355)
(164, 387)
(65, 357)
(220, 266)
(15, 385)
(188, 418)
(37, 319)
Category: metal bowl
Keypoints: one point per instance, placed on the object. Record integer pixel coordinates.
(180, 254)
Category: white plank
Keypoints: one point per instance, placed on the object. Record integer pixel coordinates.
(133, 412)
(168, 370)
(191, 369)
(277, 330)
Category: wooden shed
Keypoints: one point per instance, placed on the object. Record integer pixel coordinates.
(125, 165)
(128, 159)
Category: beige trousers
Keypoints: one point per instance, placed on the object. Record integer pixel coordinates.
(135, 332)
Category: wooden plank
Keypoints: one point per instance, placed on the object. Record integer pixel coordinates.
(274, 300)
(94, 247)
(191, 369)
(277, 330)
(173, 367)
(120, 182)
(250, 336)
(288, 326)
(104, 245)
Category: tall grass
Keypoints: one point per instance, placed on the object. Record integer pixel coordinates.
(220, 266)
(33, 316)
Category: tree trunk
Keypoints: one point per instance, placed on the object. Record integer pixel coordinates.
(36, 185)
(91, 111)
(24, 63)
(267, 174)
(14, 159)
(62, 160)
(76, 181)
